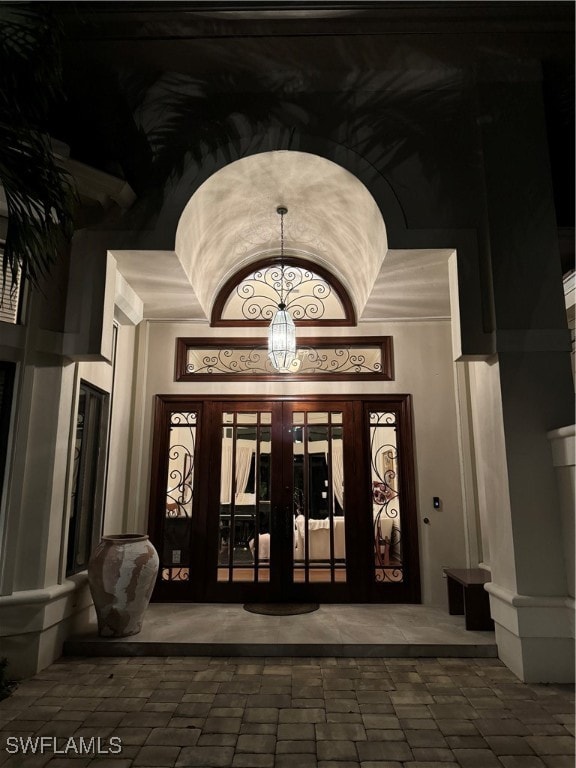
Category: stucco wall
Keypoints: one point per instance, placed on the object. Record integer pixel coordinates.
(423, 368)
(563, 455)
(118, 385)
(39, 604)
(492, 471)
(120, 442)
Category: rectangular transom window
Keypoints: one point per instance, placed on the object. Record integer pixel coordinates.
(352, 358)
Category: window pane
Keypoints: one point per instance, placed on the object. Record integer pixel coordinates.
(385, 497)
(307, 295)
(10, 294)
(247, 418)
(245, 492)
(318, 478)
(87, 477)
(179, 496)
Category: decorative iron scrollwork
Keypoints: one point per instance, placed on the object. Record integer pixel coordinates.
(181, 452)
(320, 359)
(339, 360)
(385, 499)
(176, 574)
(312, 361)
(302, 291)
(179, 496)
(231, 361)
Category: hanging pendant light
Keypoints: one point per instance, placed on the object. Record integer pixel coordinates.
(282, 331)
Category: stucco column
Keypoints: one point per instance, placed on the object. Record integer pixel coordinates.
(526, 389)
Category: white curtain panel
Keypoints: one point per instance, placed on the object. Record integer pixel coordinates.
(338, 470)
(226, 476)
(244, 453)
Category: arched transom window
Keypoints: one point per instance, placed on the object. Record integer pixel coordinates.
(311, 294)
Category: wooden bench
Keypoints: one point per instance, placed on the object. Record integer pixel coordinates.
(467, 596)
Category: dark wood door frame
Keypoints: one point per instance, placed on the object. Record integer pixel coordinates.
(361, 586)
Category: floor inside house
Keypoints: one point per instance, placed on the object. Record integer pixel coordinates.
(332, 630)
(285, 713)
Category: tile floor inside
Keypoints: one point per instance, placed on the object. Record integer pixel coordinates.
(266, 712)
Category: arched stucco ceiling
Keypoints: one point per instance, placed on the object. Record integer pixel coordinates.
(231, 220)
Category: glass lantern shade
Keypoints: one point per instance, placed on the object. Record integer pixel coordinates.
(282, 341)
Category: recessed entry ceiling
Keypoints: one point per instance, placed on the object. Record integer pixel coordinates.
(332, 220)
(231, 221)
(411, 285)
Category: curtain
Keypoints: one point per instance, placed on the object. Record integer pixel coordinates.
(244, 453)
(226, 476)
(338, 470)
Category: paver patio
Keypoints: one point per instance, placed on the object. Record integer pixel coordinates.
(286, 713)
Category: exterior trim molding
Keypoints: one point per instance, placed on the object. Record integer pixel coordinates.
(529, 601)
(532, 616)
(46, 595)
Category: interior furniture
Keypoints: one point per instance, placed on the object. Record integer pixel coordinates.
(319, 538)
(467, 596)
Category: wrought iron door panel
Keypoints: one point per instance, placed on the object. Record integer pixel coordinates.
(175, 555)
(284, 500)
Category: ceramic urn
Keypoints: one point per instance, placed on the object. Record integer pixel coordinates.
(121, 574)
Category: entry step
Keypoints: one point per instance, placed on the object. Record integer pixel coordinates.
(201, 629)
(106, 647)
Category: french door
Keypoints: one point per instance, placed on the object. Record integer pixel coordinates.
(283, 500)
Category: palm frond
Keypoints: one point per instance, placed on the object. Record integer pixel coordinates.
(39, 194)
(40, 200)
(188, 118)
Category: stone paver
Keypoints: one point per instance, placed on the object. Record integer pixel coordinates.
(476, 758)
(296, 760)
(337, 750)
(156, 755)
(247, 760)
(289, 747)
(558, 761)
(205, 757)
(291, 713)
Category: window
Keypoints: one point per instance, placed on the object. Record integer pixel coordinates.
(312, 295)
(360, 358)
(10, 294)
(88, 477)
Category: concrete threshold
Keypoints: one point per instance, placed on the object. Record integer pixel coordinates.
(410, 631)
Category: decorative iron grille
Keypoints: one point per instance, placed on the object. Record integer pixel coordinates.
(385, 497)
(317, 359)
(305, 294)
(181, 453)
(179, 496)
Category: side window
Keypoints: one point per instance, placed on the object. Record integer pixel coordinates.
(10, 294)
(88, 480)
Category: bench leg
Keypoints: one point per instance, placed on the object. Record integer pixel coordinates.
(477, 608)
(455, 597)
